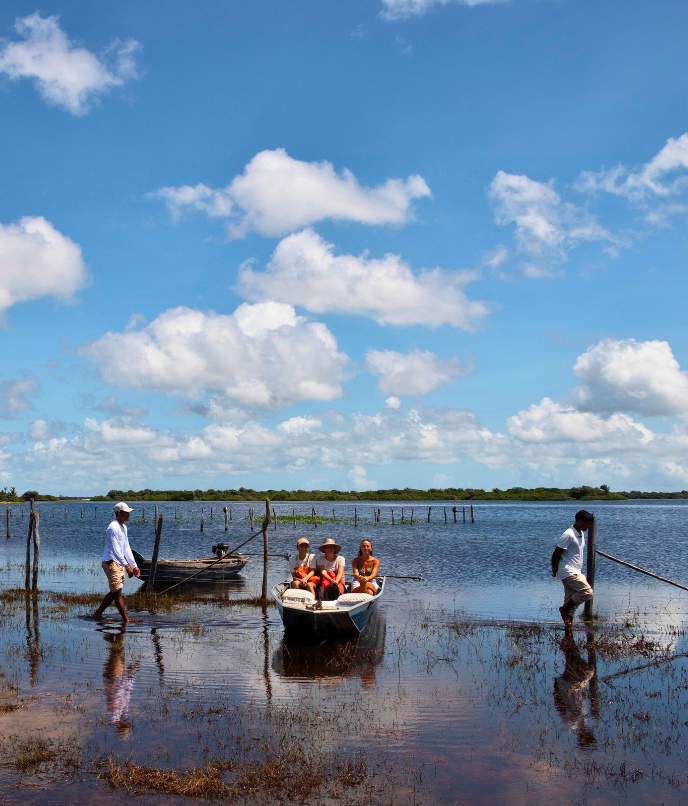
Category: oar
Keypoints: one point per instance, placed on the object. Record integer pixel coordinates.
(398, 576)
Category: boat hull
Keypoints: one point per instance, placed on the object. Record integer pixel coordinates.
(179, 570)
(327, 624)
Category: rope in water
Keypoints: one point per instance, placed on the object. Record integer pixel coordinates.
(642, 570)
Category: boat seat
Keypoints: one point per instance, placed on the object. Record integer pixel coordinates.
(349, 599)
(297, 595)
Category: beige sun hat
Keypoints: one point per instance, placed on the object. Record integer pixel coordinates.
(329, 541)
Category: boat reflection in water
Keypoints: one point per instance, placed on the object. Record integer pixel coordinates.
(355, 656)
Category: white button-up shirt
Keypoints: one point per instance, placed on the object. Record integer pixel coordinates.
(117, 545)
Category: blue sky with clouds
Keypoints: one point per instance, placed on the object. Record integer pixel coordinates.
(343, 245)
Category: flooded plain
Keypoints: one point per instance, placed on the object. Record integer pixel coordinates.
(462, 689)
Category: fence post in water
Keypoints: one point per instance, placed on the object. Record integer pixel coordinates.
(65, 512)
(95, 514)
(429, 508)
(211, 513)
(454, 511)
(592, 548)
(392, 508)
(315, 523)
(155, 522)
(355, 519)
(472, 514)
(156, 549)
(142, 516)
(266, 523)
(27, 576)
(36, 551)
(230, 513)
(464, 514)
(378, 514)
(445, 514)
(202, 517)
(8, 523)
(226, 521)
(82, 512)
(411, 516)
(250, 516)
(293, 515)
(274, 517)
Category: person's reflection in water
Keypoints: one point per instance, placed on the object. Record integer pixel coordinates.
(118, 681)
(573, 688)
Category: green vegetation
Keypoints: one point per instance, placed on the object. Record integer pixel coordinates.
(584, 493)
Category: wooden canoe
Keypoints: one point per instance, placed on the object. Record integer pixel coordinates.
(179, 570)
(331, 622)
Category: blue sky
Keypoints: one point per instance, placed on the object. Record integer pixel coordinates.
(343, 245)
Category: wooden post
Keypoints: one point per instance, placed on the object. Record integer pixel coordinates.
(592, 548)
(454, 511)
(175, 513)
(333, 515)
(226, 521)
(202, 517)
(402, 514)
(95, 514)
(445, 514)
(156, 549)
(65, 512)
(250, 516)
(36, 551)
(230, 513)
(464, 514)
(274, 517)
(355, 519)
(155, 522)
(472, 514)
(211, 513)
(392, 508)
(266, 523)
(378, 514)
(411, 516)
(143, 517)
(27, 575)
(53, 512)
(293, 515)
(315, 523)
(82, 512)
(429, 508)
(8, 523)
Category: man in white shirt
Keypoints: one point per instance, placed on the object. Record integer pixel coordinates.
(117, 558)
(567, 565)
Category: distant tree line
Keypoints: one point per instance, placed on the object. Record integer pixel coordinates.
(584, 493)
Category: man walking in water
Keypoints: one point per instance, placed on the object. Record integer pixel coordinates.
(567, 564)
(117, 558)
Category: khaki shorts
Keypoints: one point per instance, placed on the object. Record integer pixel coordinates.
(576, 590)
(115, 574)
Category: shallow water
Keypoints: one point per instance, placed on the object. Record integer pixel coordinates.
(447, 709)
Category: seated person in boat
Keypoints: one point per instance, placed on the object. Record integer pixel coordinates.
(365, 570)
(331, 566)
(303, 568)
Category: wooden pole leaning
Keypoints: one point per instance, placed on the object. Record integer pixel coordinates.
(590, 570)
(27, 575)
(264, 529)
(36, 551)
(156, 549)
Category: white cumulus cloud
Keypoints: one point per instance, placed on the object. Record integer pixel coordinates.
(666, 174)
(305, 271)
(546, 227)
(403, 9)
(416, 373)
(36, 261)
(15, 394)
(630, 375)
(261, 356)
(277, 194)
(66, 75)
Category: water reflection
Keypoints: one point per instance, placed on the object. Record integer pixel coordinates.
(357, 656)
(227, 589)
(575, 688)
(33, 636)
(118, 680)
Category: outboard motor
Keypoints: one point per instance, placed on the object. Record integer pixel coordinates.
(221, 550)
